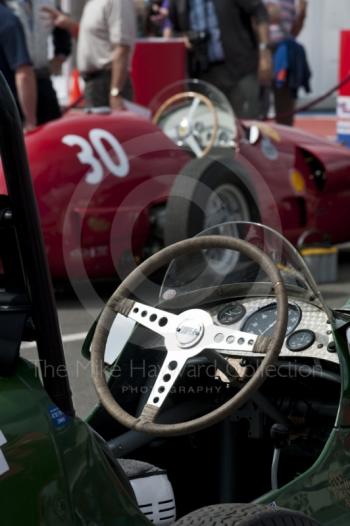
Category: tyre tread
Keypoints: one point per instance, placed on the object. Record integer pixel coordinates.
(244, 515)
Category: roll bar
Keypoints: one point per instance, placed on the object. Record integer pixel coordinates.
(25, 221)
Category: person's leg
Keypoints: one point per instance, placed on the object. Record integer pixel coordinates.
(284, 106)
(245, 98)
(98, 88)
(48, 108)
(219, 76)
(128, 90)
(97, 91)
(265, 101)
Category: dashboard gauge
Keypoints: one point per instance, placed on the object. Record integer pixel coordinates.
(223, 138)
(300, 340)
(231, 313)
(262, 322)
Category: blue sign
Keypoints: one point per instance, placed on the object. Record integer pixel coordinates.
(59, 419)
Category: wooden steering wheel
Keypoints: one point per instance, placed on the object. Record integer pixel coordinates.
(185, 131)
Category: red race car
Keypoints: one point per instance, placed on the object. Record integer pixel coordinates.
(114, 186)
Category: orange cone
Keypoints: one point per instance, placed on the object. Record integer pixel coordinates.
(75, 92)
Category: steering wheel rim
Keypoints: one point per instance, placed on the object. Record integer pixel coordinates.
(119, 303)
(195, 96)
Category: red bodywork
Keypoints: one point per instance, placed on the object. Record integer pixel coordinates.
(91, 228)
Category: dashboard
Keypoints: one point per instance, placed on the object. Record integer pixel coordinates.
(308, 333)
(202, 126)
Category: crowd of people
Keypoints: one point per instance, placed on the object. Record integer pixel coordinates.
(247, 48)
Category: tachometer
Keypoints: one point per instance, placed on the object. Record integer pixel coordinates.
(231, 313)
(262, 322)
(300, 340)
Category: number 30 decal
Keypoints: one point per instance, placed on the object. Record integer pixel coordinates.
(4, 467)
(117, 163)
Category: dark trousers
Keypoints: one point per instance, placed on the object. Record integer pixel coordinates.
(98, 87)
(284, 105)
(243, 94)
(48, 108)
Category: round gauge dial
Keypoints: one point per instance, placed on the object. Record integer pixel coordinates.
(262, 322)
(231, 313)
(300, 340)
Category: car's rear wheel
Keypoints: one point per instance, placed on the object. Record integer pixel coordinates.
(245, 515)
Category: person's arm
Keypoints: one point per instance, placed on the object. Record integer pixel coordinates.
(60, 20)
(120, 64)
(260, 21)
(300, 20)
(121, 21)
(14, 46)
(27, 94)
(265, 56)
(174, 16)
(62, 47)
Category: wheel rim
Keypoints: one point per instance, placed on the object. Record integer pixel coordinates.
(226, 204)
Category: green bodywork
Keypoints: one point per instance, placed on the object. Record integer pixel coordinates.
(323, 492)
(59, 474)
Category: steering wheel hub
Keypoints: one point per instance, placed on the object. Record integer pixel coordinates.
(184, 129)
(188, 333)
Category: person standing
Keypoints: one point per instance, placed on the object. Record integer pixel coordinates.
(37, 37)
(287, 19)
(16, 65)
(228, 47)
(60, 20)
(157, 19)
(106, 42)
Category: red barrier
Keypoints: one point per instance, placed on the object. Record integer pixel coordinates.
(343, 105)
(157, 63)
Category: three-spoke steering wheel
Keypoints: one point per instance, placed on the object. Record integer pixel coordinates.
(186, 335)
(185, 132)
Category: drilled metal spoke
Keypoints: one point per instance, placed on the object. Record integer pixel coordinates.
(230, 340)
(157, 320)
(168, 374)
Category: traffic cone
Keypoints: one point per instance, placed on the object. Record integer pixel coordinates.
(75, 92)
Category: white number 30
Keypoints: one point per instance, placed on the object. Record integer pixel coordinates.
(4, 467)
(118, 165)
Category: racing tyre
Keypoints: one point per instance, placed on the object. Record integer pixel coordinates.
(208, 193)
(245, 515)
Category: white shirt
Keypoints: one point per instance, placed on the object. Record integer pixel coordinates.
(104, 25)
(37, 34)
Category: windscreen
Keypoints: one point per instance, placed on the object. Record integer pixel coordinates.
(224, 268)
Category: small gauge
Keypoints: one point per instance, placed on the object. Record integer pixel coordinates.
(231, 313)
(223, 138)
(301, 340)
